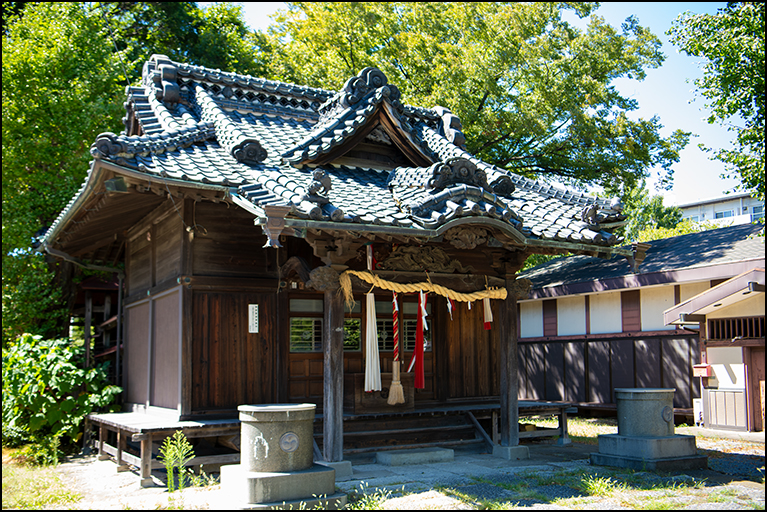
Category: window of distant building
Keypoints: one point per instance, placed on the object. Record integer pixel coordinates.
(693, 218)
(723, 215)
(757, 213)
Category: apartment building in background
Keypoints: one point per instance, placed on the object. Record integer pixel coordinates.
(730, 210)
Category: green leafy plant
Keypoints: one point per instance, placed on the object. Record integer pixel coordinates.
(47, 393)
(175, 453)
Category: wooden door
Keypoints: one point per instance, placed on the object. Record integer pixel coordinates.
(468, 353)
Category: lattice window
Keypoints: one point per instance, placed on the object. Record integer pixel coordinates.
(731, 328)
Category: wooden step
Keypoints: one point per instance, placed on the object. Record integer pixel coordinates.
(463, 442)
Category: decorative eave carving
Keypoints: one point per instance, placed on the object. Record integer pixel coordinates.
(432, 259)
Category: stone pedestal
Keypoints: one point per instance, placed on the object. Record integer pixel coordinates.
(645, 438)
(276, 467)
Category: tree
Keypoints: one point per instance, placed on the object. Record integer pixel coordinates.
(647, 212)
(65, 68)
(732, 42)
(533, 92)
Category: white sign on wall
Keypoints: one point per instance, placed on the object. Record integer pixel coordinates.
(252, 318)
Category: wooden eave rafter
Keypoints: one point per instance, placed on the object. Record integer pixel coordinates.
(387, 119)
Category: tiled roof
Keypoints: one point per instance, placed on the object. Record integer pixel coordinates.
(695, 250)
(266, 140)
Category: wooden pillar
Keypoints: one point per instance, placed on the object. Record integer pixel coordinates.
(146, 461)
(87, 329)
(509, 369)
(333, 376)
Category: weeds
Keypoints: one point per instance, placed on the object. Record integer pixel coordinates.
(601, 486)
(26, 488)
(366, 500)
(175, 453)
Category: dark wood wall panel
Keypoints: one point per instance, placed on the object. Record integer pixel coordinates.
(535, 372)
(600, 389)
(550, 317)
(589, 371)
(676, 370)
(648, 367)
(140, 265)
(230, 245)
(631, 315)
(555, 371)
(231, 366)
(575, 372)
(165, 350)
(168, 248)
(137, 353)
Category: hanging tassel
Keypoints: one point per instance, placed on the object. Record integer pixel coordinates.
(372, 363)
(488, 313)
(421, 326)
(396, 393)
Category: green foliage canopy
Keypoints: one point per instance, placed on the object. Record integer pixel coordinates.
(534, 93)
(732, 42)
(64, 75)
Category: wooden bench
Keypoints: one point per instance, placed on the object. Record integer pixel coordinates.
(149, 428)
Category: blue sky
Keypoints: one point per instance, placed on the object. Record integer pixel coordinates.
(667, 91)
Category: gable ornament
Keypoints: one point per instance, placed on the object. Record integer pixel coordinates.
(317, 191)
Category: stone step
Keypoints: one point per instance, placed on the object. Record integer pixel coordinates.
(414, 456)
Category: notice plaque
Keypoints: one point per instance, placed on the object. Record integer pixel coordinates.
(252, 318)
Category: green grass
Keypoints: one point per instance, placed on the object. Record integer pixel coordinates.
(34, 488)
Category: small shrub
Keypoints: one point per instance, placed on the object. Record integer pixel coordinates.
(42, 452)
(47, 392)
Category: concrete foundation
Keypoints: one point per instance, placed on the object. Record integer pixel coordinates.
(343, 469)
(245, 489)
(405, 457)
(511, 452)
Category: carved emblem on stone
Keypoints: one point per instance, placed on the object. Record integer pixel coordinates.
(323, 278)
(317, 191)
(289, 442)
(416, 259)
(466, 237)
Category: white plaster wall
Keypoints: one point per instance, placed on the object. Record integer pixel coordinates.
(690, 290)
(605, 313)
(751, 306)
(571, 316)
(729, 370)
(531, 319)
(654, 301)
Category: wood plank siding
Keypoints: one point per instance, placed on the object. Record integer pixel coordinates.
(231, 366)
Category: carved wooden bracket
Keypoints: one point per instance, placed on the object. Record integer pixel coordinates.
(521, 288)
(324, 279)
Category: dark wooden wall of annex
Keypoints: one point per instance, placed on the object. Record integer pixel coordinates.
(587, 371)
(221, 267)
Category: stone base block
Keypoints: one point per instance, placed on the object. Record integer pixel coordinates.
(665, 464)
(343, 469)
(244, 489)
(511, 452)
(405, 457)
(667, 447)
